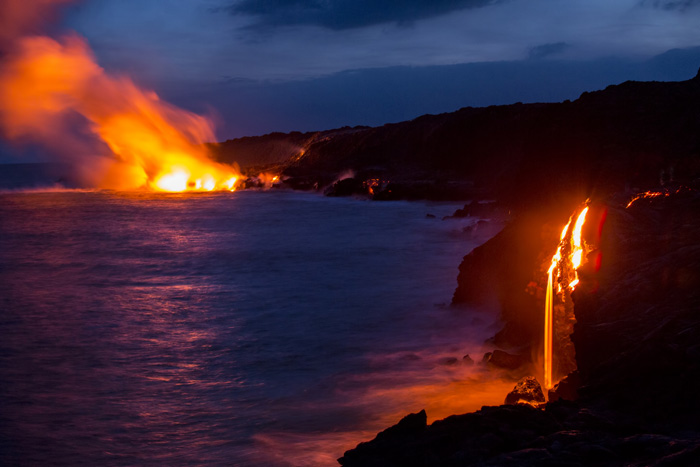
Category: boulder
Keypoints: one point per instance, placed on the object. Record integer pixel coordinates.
(528, 390)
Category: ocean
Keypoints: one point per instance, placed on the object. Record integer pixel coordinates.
(250, 328)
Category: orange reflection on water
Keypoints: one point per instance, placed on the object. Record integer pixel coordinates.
(379, 400)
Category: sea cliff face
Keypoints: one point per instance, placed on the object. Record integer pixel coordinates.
(637, 338)
(637, 348)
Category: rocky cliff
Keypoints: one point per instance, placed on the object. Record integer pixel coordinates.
(637, 348)
(633, 398)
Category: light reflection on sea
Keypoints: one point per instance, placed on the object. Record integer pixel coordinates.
(226, 329)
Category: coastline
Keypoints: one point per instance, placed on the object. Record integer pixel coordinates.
(637, 356)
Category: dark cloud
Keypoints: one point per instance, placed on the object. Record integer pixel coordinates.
(546, 50)
(348, 14)
(680, 5)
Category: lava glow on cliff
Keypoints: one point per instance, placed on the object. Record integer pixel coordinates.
(562, 272)
(117, 135)
(655, 194)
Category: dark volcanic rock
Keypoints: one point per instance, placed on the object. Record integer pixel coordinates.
(520, 435)
(634, 336)
(457, 440)
(566, 389)
(273, 148)
(391, 445)
(520, 154)
(346, 187)
(528, 390)
(636, 339)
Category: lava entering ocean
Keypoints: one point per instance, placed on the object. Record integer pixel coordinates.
(117, 135)
(563, 275)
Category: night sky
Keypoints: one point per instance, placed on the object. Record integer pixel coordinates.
(260, 66)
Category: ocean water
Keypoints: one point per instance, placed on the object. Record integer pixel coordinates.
(248, 328)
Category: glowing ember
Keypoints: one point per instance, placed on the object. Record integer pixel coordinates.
(653, 194)
(55, 92)
(565, 262)
(266, 180)
(645, 195)
(374, 184)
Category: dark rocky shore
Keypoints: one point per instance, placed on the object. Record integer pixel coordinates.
(637, 342)
(634, 397)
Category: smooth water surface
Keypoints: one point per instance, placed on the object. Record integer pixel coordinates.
(250, 328)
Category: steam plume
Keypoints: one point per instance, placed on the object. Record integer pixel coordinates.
(117, 135)
(21, 17)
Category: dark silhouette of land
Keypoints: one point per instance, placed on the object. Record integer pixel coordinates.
(633, 399)
(627, 136)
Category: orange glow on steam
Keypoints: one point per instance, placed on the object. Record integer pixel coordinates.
(130, 138)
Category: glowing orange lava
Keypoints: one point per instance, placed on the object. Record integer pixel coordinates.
(120, 136)
(565, 262)
(372, 184)
(267, 180)
(647, 195)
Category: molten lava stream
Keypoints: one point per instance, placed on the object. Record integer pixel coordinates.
(566, 261)
(548, 310)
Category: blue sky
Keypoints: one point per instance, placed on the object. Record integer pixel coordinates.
(279, 65)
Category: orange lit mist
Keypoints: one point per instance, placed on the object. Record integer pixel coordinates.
(127, 138)
(385, 398)
(267, 180)
(565, 263)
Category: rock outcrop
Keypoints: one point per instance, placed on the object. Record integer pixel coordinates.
(637, 336)
(527, 391)
(638, 357)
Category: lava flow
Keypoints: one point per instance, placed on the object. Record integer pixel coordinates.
(565, 262)
(117, 135)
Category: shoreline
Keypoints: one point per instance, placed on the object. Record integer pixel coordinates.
(637, 359)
